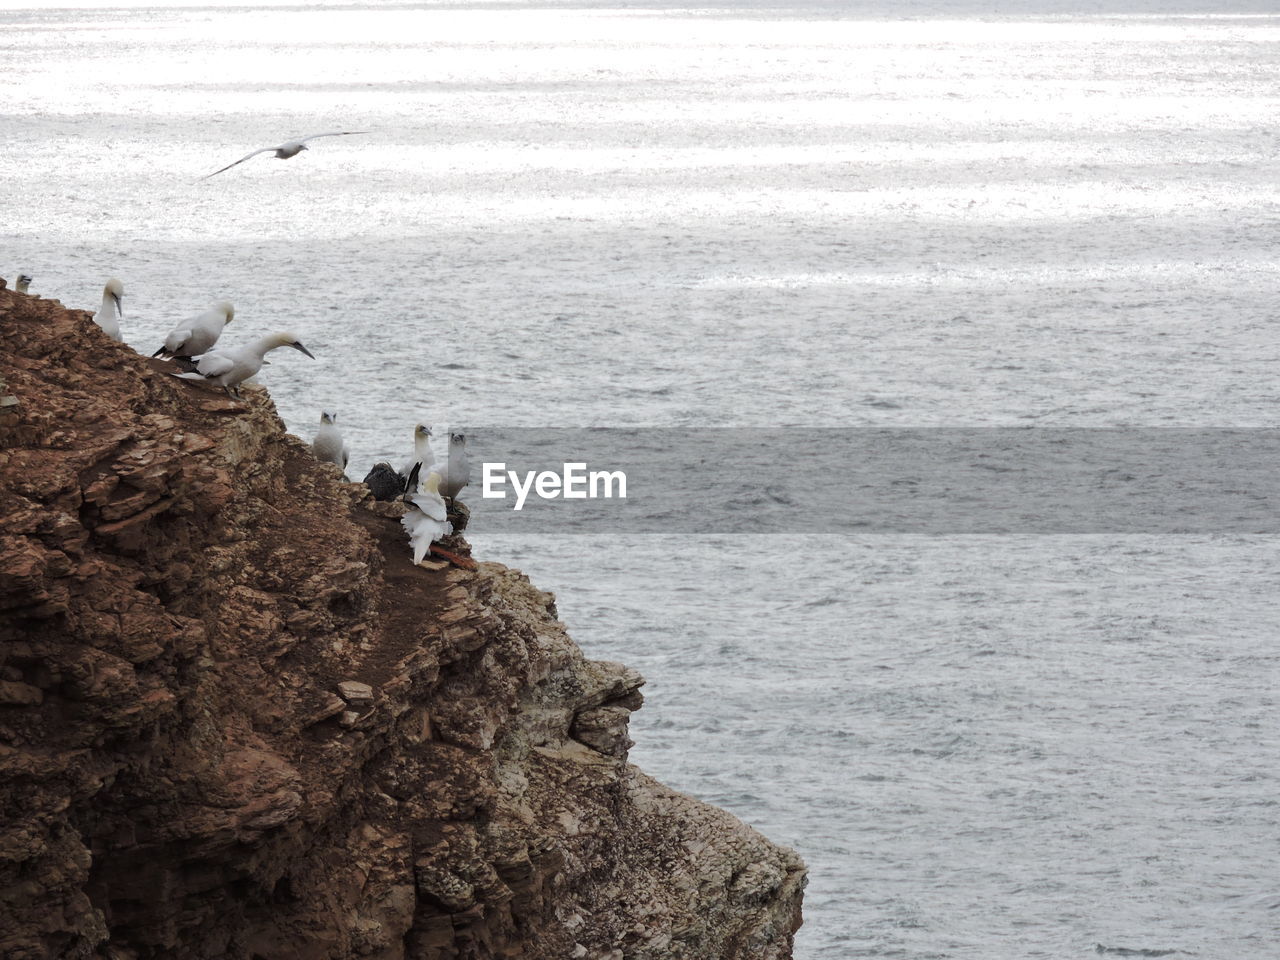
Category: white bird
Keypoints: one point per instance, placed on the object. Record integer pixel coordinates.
(24, 281)
(290, 148)
(231, 367)
(457, 472)
(110, 313)
(421, 453)
(427, 519)
(328, 446)
(197, 335)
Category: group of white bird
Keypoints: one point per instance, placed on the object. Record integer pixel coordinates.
(426, 487)
(421, 483)
(191, 342)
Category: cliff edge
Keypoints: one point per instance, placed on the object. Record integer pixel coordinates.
(235, 721)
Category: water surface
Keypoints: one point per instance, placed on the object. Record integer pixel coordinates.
(871, 214)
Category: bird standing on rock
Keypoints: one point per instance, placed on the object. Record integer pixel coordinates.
(421, 453)
(387, 483)
(457, 472)
(232, 367)
(196, 336)
(290, 148)
(23, 281)
(427, 519)
(110, 313)
(328, 445)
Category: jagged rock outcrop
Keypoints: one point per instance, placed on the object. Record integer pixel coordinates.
(235, 721)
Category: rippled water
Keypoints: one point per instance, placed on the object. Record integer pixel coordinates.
(830, 215)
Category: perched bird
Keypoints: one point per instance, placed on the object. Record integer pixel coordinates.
(427, 519)
(110, 313)
(421, 453)
(457, 473)
(328, 445)
(24, 281)
(231, 367)
(384, 482)
(290, 148)
(196, 336)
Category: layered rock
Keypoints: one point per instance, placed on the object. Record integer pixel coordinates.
(236, 721)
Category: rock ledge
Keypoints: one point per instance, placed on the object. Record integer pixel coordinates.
(235, 721)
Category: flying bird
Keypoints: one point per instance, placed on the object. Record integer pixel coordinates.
(110, 313)
(328, 445)
(24, 281)
(196, 336)
(427, 519)
(290, 148)
(232, 367)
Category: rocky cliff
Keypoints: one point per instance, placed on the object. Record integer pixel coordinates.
(235, 721)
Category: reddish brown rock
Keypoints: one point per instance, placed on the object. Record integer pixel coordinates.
(236, 721)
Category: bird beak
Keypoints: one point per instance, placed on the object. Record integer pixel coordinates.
(298, 346)
(119, 307)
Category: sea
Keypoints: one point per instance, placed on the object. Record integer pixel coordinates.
(987, 745)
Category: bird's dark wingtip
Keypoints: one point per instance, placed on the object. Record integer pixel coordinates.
(411, 484)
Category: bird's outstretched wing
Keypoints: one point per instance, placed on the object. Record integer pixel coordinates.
(213, 364)
(432, 508)
(241, 160)
(314, 136)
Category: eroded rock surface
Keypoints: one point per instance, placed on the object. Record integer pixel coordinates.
(235, 721)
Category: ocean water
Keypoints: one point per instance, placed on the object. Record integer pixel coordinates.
(751, 215)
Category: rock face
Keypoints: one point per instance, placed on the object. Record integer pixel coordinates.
(235, 721)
